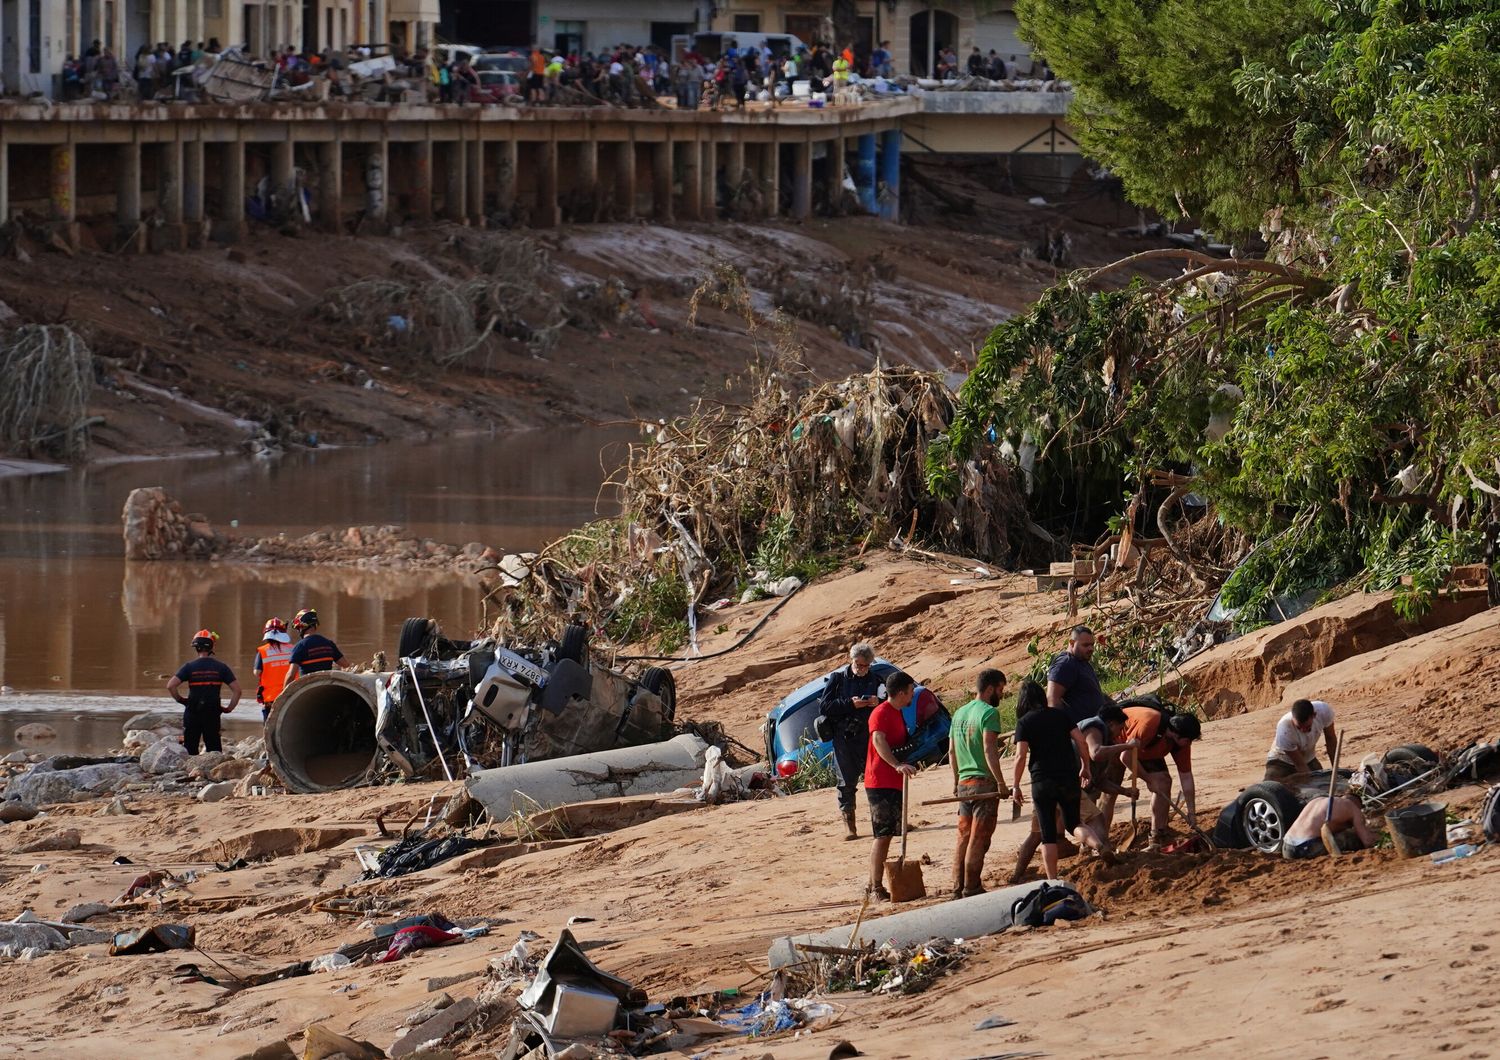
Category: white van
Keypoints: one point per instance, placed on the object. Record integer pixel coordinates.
(712, 45)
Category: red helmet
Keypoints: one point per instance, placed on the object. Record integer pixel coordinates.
(274, 625)
(305, 619)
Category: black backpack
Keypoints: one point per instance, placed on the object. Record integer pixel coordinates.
(1047, 904)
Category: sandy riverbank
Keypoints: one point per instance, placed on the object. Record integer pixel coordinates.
(1237, 951)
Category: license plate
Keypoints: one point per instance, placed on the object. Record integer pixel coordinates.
(521, 668)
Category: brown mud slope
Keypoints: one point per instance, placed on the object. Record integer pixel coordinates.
(198, 349)
(1197, 955)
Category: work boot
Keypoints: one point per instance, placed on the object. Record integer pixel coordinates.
(1159, 839)
(851, 831)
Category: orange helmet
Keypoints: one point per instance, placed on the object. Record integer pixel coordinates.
(204, 640)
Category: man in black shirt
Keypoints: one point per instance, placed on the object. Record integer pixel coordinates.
(1059, 769)
(314, 653)
(204, 676)
(851, 695)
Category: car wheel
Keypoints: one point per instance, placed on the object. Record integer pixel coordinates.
(575, 643)
(1267, 810)
(1411, 752)
(663, 686)
(416, 638)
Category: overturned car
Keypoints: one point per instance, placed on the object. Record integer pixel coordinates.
(449, 708)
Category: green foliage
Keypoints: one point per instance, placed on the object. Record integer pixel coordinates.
(1337, 401)
(813, 773)
(1156, 102)
(654, 612)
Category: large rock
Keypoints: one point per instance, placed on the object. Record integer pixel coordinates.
(217, 792)
(161, 722)
(11, 812)
(42, 784)
(138, 740)
(164, 756)
(232, 769)
(17, 937)
(79, 913)
(35, 732)
(155, 527)
(201, 765)
(67, 839)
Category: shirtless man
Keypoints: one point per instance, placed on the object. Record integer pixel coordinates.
(1305, 838)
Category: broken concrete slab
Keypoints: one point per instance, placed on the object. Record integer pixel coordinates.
(164, 756)
(650, 769)
(67, 839)
(43, 784)
(438, 1027)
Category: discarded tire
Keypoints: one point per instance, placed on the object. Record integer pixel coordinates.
(575, 643)
(661, 684)
(1411, 752)
(416, 637)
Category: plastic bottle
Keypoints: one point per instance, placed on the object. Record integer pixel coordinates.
(1463, 850)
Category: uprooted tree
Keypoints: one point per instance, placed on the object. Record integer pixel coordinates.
(46, 377)
(1337, 401)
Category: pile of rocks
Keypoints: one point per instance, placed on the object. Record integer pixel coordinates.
(152, 760)
(156, 527)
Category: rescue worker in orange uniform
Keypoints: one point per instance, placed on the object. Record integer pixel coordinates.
(271, 660)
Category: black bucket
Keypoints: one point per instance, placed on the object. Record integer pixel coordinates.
(1419, 829)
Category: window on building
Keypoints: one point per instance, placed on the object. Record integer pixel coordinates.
(806, 28)
(34, 42)
(747, 23)
(568, 37)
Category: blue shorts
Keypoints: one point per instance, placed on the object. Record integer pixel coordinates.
(1306, 848)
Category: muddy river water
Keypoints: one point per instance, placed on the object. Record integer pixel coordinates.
(76, 618)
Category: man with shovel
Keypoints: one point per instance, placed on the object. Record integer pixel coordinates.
(885, 775)
(1058, 757)
(974, 755)
(1304, 839)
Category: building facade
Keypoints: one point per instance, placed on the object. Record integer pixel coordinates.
(916, 29)
(37, 36)
(596, 25)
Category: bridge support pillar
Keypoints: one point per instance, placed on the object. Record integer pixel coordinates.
(330, 186)
(802, 180)
(890, 175)
(864, 173)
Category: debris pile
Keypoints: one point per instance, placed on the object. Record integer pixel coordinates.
(155, 527)
(727, 492)
(46, 376)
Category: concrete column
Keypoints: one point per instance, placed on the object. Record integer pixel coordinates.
(625, 181)
(505, 176)
(661, 180)
(169, 198)
(708, 203)
(770, 177)
(474, 181)
(284, 175)
(864, 173)
(420, 191)
(836, 164)
(802, 180)
(455, 181)
(232, 207)
(128, 184)
(377, 183)
(586, 182)
(890, 175)
(64, 183)
(331, 186)
(692, 182)
(4, 179)
(192, 181)
(734, 169)
(548, 215)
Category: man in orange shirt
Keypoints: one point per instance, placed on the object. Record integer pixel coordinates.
(536, 84)
(1160, 735)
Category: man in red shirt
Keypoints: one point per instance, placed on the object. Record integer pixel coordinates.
(1161, 735)
(885, 774)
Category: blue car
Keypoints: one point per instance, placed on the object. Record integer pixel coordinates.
(790, 723)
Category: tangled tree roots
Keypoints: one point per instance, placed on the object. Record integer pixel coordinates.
(46, 376)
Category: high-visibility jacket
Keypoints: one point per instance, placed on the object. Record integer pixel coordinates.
(841, 70)
(271, 661)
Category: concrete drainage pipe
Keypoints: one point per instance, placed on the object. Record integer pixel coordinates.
(321, 734)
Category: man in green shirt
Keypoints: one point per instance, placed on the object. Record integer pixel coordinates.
(974, 755)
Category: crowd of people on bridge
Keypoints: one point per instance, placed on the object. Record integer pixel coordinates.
(624, 75)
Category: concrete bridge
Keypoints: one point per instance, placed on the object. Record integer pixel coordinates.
(187, 172)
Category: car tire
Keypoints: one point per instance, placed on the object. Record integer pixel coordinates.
(575, 643)
(1411, 752)
(661, 684)
(1267, 810)
(415, 638)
